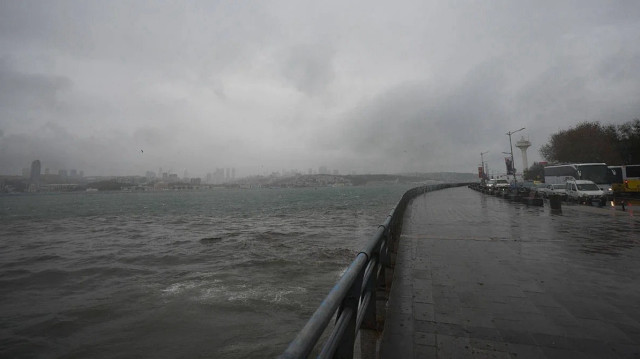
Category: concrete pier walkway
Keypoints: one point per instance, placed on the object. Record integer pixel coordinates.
(481, 277)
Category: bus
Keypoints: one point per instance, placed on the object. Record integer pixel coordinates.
(625, 179)
(615, 177)
(598, 173)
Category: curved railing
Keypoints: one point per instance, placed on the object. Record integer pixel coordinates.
(358, 299)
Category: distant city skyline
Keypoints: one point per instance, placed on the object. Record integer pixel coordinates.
(219, 175)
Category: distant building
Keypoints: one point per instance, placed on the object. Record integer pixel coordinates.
(161, 186)
(195, 181)
(34, 178)
(323, 170)
(125, 180)
(218, 176)
(62, 173)
(73, 173)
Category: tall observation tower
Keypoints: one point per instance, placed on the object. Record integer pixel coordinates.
(523, 145)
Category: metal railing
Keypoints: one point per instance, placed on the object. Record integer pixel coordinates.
(358, 299)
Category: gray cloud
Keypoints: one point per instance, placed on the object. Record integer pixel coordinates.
(309, 68)
(365, 86)
(57, 149)
(422, 126)
(29, 90)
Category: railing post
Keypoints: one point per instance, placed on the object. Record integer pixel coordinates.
(369, 330)
(392, 248)
(351, 300)
(387, 260)
(383, 283)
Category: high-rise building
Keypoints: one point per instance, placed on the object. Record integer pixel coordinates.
(34, 178)
(219, 176)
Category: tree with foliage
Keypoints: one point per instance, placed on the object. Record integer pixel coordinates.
(534, 173)
(629, 142)
(587, 142)
(109, 185)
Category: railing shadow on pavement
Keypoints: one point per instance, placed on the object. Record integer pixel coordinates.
(358, 299)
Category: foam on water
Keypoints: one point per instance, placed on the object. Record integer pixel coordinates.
(224, 273)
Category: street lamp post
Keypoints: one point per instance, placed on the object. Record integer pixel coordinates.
(513, 167)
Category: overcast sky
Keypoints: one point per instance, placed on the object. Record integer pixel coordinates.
(365, 86)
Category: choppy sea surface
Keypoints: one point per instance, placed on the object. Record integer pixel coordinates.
(197, 274)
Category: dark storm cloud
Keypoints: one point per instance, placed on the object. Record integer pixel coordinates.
(423, 126)
(55, 147)
(309, 68)
(366, 86)
(114, 153)
(575, 90)
(26, 90)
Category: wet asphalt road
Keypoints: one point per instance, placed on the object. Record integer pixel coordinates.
(481, 277)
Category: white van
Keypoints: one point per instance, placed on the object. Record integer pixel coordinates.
(583, 191)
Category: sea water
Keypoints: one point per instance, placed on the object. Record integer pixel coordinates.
(223, 273)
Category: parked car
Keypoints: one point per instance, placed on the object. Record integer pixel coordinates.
(583, 191)
(501, 184)
(557, 188)
(490, 185)
(525, 188)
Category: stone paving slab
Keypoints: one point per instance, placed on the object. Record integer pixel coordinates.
(480, 277)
